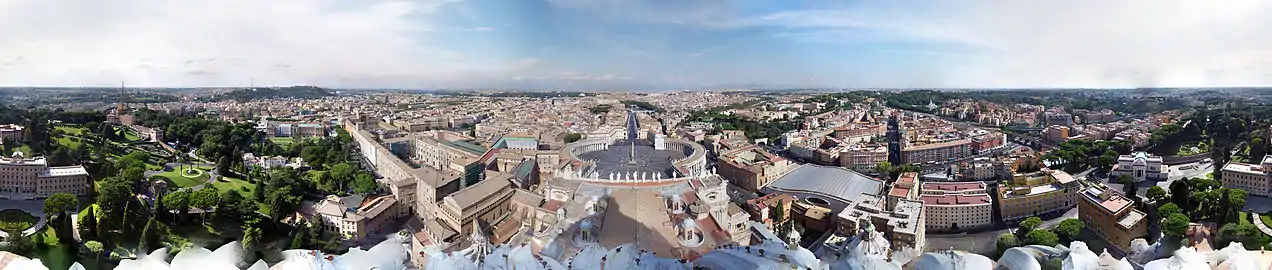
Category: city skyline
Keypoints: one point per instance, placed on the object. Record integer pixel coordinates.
(637, 45)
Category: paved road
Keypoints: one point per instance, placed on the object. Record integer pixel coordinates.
(1258, 222)
(983, 242)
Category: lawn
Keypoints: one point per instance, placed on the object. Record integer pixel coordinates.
(182, 180)
(1266, 219)
(281, 141)
(69, 142)
(235, 184)
(13, 219)
(131, 136)
(71, 130)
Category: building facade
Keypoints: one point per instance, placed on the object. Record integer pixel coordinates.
(1041, 193)
(1112, 217)
(1140, 166)
(751, 167)
(903, 224)
(1255, 179)
(12, 132)
(32, 178)
(937, 152)
(954, 207)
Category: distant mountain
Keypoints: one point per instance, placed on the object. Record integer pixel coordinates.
(297, 92)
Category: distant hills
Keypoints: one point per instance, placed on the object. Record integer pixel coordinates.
(297, 92)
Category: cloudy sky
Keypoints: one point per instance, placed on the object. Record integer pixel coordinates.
(636, 44)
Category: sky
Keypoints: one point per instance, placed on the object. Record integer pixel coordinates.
(636, 44)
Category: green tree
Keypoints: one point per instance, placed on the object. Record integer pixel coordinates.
(1156, 194)
(1128, 185)
(179, 201)
(233, 206)
(341, 175)
(1175, 225)
(1006, 241)
(223, 166)
(1029, 225)
(1041, 237)
(149, 236)
(94, 249)
(1070, 228)
(205, 199)
(251, 239)
(1246, 233)
(18, 243)
(1169, 209)
(1236, 200)
(57, 205)
(1258, 148)
(364, 184)
(88, 225)
(573, 137)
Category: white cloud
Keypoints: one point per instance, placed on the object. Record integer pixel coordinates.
(227, 42)
(1082, 43)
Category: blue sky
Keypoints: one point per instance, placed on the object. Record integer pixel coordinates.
(637, 44)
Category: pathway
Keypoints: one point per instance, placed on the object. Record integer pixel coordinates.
(1258, 222)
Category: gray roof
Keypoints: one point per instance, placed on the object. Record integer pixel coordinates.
(843, 184)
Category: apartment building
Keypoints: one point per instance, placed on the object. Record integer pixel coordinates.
(751, 167)
(12, 132)
(863, 158)
(1112, 217)
(32, 178)
(1255, 179)
(937, 152)
(1140, 166)
(959, 206)
(1056, 134)
(1040, 193)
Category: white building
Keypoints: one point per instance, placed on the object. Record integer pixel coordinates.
(956, 206)
(1141, 166)
(350, 217)
(1255, 179)
(32, 178)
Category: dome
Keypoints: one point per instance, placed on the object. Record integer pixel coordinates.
(586, 224)
(688, 223)
(953, 260)
(1184, 259)
(1019, 258)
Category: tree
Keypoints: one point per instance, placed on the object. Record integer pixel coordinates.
(233, 206)
(1246, 233)
(57, 205)
(1258, 148)
(18, 243)
(573, 137)
(1175, 225)
(205, 199)
(1180, 192)
(223, 166)
(151, 236)
(258, 194)
(1236, 200)
(364, 184)
(88, 225)
(1006, 241)
(1029, 225)
(1128, 184)
(95, 249)
(1070, 228)
(341, 174)
(1169, 208)
(251, 239)
(1041, 237)
(179, 201)
(1156, 194)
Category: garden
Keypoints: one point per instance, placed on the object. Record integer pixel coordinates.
(16, 220)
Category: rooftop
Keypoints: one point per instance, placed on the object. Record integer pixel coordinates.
(843, 184)
(64, 171)
(954, 186)
(1113, 204)
(955, 199)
